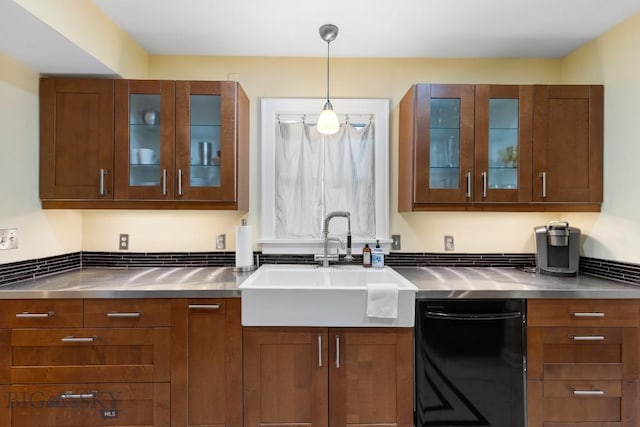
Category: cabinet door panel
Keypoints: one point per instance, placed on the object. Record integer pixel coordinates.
(207, 363)
(76, 139)
(503, 137)
(285, 377)
(568, 144)
(144, 140)
(371, 377)
(206, 155)
(443, 142)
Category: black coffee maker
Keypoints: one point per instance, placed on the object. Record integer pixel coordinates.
(557, 249)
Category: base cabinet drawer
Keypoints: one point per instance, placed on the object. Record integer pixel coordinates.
(41, 313)
(72, 355)
(127, 313)
(88, 405)
(582, 404)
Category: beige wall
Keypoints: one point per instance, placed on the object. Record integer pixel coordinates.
(613, 59)
(40, 233)
(601, 61)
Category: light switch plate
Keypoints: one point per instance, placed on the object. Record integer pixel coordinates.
(396, 243)
(9, 238)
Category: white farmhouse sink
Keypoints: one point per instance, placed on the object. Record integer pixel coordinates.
(308, 295)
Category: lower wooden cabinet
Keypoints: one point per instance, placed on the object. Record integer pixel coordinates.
(328, 377)
(206, 368)
(582, 363)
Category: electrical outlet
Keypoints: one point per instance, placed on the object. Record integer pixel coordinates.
(123, 243)
(448, 243)
(9, 238)
(221, 241)
(395, 242)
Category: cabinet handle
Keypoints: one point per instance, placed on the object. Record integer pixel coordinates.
(179, 182)
(587, 315)
(134, 314)
(543, 177)
(27, 315)
(164, 182)
(484, 184)
(78, 339)
(71, 396)
(468, 178)
(319, 351)
(593, 392)
(337, 352)
(103, 172)
(204, 306)
(587, 337)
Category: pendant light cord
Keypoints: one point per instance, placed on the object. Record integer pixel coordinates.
(328, 43)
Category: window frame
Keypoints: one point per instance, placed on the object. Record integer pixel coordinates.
(270, 109)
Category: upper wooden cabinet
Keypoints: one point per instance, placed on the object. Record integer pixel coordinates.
(568, 144)
(495, 147)
(76, 139)
(182, 144)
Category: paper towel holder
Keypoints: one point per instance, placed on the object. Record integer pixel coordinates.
(245, 268)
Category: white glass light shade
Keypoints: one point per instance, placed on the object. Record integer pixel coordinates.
(328, 123)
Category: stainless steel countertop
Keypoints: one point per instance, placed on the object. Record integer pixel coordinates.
(486, 282)
(155, 282)
(223, 282)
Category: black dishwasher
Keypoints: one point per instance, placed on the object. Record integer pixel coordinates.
(470, 367)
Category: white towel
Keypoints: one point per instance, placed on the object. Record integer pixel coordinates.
(382, 300)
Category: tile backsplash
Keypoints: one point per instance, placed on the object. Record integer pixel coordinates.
(31, 269)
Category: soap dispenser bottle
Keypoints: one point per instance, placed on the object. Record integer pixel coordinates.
(366, 255)
(377, 256)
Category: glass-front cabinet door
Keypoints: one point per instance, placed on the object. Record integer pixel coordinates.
(503, 143)
(444, 143)
(144, 140)
(205, 140)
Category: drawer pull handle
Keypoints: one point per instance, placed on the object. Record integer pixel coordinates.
(71, 396)
(27, 315)
(134, 314)
(204, 306)
(587, 337)
(319, 351)
(591, 314)
(594, 392)
(78, 339)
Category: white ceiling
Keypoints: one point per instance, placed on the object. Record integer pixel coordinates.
(368, 28)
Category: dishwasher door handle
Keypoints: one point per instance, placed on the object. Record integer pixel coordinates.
(472, 316)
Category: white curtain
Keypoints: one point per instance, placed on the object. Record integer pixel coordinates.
(316, 174)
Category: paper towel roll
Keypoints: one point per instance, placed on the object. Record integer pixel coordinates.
(244, 246)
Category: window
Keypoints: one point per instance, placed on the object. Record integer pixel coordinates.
(306, 175)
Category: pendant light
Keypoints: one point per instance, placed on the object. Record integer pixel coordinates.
(328, 121)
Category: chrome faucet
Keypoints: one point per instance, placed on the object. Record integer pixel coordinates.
(326, 257)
